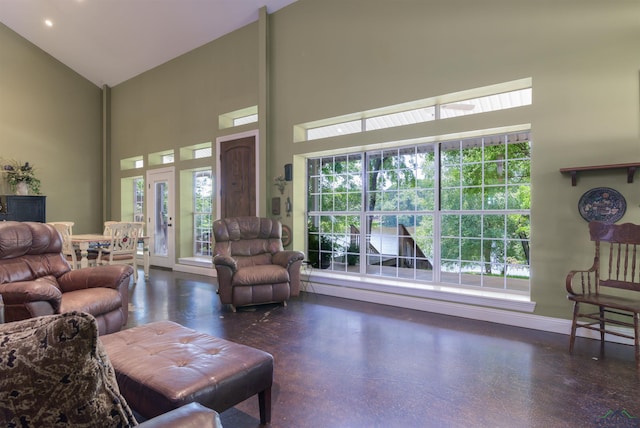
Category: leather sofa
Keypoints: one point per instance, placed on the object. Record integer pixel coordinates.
(251, 263)
(36, 279)
(54, 371)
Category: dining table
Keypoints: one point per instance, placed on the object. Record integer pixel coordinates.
(96, 240)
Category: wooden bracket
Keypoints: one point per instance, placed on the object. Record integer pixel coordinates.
(630, 167)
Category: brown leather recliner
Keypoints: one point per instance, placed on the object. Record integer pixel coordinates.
(36, 279)
(252, 265)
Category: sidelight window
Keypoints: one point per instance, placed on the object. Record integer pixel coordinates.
(202, 212)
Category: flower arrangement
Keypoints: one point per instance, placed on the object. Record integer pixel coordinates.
(280, 183)
(16, 172)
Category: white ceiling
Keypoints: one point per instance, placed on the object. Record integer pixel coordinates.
(110, 41)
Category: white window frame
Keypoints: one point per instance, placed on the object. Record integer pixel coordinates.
(485, 99)
(202, 238)
(339, 230)
(138, 199)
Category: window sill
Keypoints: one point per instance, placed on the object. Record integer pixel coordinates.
(443, 292)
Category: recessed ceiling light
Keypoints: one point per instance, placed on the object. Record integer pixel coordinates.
(48, 23)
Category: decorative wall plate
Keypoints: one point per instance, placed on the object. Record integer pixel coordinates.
(602, 204)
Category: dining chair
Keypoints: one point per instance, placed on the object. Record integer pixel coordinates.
(106, 232)
(94, 252)
(107, 227)
(139, 225)
(67, 224)
(140, 245)
(122, 247)
(66, 230)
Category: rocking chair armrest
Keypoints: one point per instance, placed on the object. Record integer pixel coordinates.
(591, 280)
(223, 260)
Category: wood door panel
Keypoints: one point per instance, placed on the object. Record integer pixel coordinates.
(238, 177)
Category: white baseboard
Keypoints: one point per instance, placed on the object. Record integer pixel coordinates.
(480, 313)
(500, 316)
(198, 270)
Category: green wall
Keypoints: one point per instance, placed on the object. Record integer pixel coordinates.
(332, 57)
(176, 105)
(51, 117)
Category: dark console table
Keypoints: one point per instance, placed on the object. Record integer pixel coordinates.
(23, 208)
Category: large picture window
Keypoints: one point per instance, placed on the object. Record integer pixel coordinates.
(455, 212)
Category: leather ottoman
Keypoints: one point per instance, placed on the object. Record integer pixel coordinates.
(162, 365)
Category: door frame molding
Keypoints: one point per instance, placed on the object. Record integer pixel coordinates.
(170, 171)
(219, 140)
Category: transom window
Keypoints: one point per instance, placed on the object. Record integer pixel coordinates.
(501, 96)
(202, 153)
(252, 118)
(455, 212)
(240, 117)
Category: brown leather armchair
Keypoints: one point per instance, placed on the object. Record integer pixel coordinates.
(252, 265)
(36, 279)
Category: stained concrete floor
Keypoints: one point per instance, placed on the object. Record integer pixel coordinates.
(344, 363)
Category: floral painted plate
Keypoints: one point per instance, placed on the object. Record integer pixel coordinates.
(602, 204)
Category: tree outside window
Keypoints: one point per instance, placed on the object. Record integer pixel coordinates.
(456, 212)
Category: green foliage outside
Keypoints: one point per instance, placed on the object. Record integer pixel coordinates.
(203, 210)
(401, 188)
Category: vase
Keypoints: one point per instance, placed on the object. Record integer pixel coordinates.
(22, 188)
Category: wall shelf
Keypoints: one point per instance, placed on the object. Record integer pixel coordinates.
(630, 167)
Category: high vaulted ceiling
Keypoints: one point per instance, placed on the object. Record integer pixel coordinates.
(110, 41)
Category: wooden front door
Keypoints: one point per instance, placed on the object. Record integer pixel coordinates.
(238, 177)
